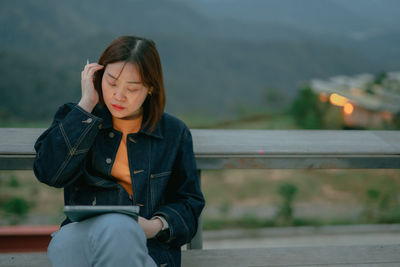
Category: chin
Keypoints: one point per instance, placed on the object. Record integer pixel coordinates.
(118, 115)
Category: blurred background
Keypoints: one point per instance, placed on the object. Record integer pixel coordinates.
(255, 64)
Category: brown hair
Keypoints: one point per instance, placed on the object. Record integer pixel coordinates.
(144, 54)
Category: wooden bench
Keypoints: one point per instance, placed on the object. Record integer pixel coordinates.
(260, 149)
(370, 255)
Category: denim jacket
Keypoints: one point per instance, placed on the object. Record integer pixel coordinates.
(77, 153)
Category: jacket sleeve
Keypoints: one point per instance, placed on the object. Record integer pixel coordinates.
(61, 149)
(183, 212)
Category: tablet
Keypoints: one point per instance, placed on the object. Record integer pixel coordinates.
(79, 213)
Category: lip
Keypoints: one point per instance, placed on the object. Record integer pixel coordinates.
(116, 107)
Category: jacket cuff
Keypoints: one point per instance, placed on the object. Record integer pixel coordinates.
(180, 233)
(164, 222)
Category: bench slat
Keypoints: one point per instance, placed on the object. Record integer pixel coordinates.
(263, 149)
(384, 255)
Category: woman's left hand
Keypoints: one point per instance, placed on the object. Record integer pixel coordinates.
(150, 227)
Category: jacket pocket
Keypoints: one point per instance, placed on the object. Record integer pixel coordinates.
(94, 196)
(161, 174)
(158, 183)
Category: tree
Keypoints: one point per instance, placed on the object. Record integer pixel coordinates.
(380, 77)
(305, 109)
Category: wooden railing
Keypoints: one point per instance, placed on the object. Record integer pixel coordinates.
(251, 149)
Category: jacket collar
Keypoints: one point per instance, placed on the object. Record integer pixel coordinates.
(102, 112)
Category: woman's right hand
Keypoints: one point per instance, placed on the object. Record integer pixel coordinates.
(90, 97)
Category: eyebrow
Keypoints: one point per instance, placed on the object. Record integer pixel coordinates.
(127, 82)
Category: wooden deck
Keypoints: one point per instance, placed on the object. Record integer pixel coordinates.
(384, 255)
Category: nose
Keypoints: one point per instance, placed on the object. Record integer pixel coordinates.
(119, 95)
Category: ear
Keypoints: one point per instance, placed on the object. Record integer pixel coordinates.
(151, 90)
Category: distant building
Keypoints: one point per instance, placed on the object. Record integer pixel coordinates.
(364, 102)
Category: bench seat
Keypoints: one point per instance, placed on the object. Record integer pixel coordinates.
(374, 255)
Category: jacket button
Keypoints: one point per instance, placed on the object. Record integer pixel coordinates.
(89, 120)
(111, 134)
(108, 160)
(100, 126)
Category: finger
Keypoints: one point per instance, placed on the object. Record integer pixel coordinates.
(96, 68)
(92, 71)
(91, 65)
(88, 72)
(140, 220)
(93, 68)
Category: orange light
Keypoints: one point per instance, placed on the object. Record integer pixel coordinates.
(337, 100)
(323, 97)
(348, 108)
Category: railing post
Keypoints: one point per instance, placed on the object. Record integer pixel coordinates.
(197, 241)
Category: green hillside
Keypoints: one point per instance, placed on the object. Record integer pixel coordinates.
(212, 66)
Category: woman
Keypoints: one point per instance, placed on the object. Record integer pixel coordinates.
(117, 146)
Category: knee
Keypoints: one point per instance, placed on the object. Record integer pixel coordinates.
(64, 238)
(67, 241)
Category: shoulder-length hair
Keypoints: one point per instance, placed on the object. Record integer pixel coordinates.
(144, 54)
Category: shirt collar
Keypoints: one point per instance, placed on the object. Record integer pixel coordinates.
(102, 112)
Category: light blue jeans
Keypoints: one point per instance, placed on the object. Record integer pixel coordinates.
(111, 239)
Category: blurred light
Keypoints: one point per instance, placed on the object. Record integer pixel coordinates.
(337, 100)
(323, 97)
(348, 108)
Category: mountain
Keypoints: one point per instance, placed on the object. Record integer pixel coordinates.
(370, 27)
(213, 64)
(338, 17)
(384, 12)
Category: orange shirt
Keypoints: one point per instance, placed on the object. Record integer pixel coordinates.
(120, 169)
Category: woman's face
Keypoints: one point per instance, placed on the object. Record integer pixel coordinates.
(123, 90)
